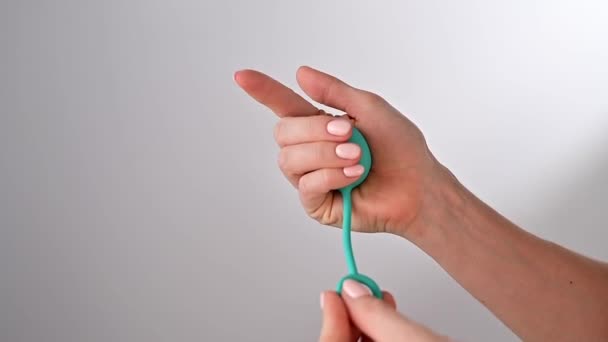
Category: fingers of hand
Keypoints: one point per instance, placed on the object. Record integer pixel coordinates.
(333, 92)
(378, 319)
(280, 99)
(299, 130)
(320, 86)
(314, 187)
(303, 158)
(314, 143)
(336, 325)
(388, 298)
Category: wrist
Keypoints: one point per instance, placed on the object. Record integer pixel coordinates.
(442, 211)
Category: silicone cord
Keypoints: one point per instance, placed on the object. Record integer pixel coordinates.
(346, 241)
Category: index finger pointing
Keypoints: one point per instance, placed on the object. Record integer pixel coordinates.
(282, 100)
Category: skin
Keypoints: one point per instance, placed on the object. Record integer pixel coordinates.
(358, 314)
(541, 291)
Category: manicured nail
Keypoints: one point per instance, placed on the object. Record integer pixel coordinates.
(355, 289)
(322, 295)
(338, 127)
(354, 171)
(348, 151)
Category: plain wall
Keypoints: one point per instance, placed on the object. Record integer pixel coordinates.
(139, 194)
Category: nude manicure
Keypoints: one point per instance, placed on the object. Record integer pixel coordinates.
(348, 151)
(338, 127)
(354, 171)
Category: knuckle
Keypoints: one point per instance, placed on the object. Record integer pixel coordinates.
(329, 90)
(304, 185)
(283, 160)
(320, 151)
(312, 125)
(372, 98)
(325, 179)
(277, 132)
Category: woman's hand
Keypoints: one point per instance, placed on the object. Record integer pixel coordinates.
(527, 282)
(403, 179)
(358, 313)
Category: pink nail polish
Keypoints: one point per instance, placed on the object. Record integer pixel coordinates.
(322, 297)
(338, 127)
(348, 151)
(354, 289)
(353, 171)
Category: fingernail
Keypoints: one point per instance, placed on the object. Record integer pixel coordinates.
(348, 151)
(354, 171)
(355, 289)
(338, 127)
(322, 295)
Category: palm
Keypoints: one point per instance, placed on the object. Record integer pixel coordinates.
(390, 198)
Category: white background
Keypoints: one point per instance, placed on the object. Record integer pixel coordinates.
(139, 194)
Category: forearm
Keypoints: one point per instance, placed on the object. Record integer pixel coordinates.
(542, 291)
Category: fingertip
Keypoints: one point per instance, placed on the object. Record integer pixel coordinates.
(303, 68)
(353, 171)
(246, 78)
(307, 76)
(238, 77)
(321, 300)
(354, 289)
(332, 304)
(335, 322)
(389, 298)
(306, 72)
(324, 297)
(330, 296)
(325, 88)
(301, 73)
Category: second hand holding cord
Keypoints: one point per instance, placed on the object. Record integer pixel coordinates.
(353, 273)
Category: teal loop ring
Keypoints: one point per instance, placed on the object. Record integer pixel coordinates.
(353, 273)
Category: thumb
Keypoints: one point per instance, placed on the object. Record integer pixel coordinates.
(333, 92)
(378, 319)
(386, 130)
